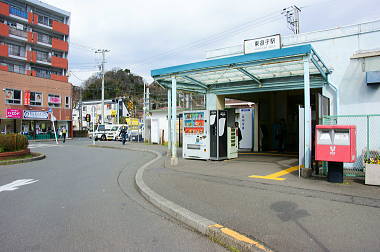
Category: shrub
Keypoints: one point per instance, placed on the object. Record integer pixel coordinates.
(13, 142)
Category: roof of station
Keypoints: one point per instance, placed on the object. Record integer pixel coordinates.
(280, 69)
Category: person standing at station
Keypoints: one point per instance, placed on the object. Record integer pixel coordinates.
(240, 137)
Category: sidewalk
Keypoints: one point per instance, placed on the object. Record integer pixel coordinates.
(295, 214)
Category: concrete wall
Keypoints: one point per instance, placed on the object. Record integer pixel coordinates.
(336, 47)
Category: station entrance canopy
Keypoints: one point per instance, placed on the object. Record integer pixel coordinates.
(281, 69)
(289, 68)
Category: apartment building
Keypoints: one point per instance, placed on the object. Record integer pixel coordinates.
(33, 67)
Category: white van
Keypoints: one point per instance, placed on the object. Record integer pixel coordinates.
(101, 131)
(114, 132)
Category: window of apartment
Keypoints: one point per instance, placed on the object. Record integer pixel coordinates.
(16, 50)
(15, 25)
(44, 20)
(18, 11)
(54, 100)
(16, 68)
(44, 38)
(67, 102)
(43, 56)
(12, 96)
(57, 54)
(36, 98)
(42, 73)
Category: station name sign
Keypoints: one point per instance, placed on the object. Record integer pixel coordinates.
(262, 44)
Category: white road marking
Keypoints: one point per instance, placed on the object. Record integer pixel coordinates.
(32, 146)
(16, 184)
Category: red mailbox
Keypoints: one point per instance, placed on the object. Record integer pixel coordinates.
(335, 143)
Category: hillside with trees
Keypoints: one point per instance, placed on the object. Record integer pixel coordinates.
(123, 83)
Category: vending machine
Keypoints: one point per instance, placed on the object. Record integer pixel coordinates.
(218, 134)
(232, 142)
(196, 139)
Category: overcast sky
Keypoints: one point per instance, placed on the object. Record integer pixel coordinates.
(150, 34)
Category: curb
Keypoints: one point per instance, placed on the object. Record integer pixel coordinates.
(216, 232)
(26, 160)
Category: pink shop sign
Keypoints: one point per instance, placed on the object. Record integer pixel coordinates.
(54, 99)
(14, 113)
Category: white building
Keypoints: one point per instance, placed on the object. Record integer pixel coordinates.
(350, 52)
(112, 111)
(334, 74)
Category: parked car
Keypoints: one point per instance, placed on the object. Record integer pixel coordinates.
(101, 131)
(114, 132)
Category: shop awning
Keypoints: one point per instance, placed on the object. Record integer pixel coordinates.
(274, 70)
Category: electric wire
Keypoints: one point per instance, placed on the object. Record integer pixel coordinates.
(214, 37)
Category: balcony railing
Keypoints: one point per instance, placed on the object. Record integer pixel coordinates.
(18, 33)
(17, 12)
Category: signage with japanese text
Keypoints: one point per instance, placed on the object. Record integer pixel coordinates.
(30, 114)
(14, 113)
(262, 44)
(26, 97)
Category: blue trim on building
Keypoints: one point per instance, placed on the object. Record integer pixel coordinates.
(266, 55)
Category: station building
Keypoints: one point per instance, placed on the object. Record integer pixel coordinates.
(33, 68)
(334, 72)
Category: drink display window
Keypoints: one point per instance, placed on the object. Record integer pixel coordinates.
(194, 123)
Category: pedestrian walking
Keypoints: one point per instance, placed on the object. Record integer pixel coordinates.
(123, 134)
(64, 133)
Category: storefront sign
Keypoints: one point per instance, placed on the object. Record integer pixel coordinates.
(26, 97)
(30, 114)
(54, 99)
(262, 44)
(14, 113)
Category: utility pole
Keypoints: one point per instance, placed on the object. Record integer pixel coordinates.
(144, 110)
(103, 52)
(292, 15)
(80, 109)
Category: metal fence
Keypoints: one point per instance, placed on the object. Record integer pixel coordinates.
(367, 140)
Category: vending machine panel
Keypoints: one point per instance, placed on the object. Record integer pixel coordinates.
(196, 140)
(218, 134)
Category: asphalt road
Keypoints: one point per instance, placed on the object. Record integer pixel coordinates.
(85, 199)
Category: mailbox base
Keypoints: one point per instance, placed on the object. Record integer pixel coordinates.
(335, 172)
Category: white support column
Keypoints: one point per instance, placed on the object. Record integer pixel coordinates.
(169, 132)
(174, 159)
(307, 111)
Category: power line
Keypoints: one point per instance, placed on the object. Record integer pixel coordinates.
(213, 37)
(76, 76)
(82, 46)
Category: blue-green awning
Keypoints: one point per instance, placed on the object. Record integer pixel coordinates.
(273, 70)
